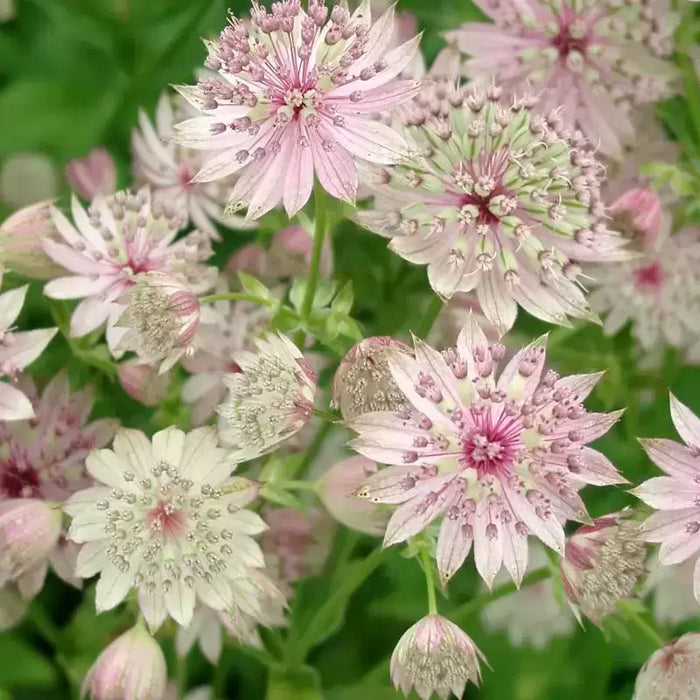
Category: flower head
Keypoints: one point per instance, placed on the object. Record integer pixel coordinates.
(532, 616)
(119, 237)
(435, 656)
(499, 458)
(29, 530)
(226, 328)
(161, 318)
(658, 291)
(499, 200)
(22, 241)
(269, 399)
(363, 382)
(602, 565)
(338, 491)
(672, 672)
(92, 175)
(593, 61)
(676, 495)
(18, 349)
(142, 382)
(169, 169)
(132, 667)
(45, 457)
(167, 519)
(295, 98)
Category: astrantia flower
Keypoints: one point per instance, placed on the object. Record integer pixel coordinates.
(659, 292)
(268, 400)
(435, 656)
(643, 208)
(117, 238)
(169, 170)
(166, 519)
(499, 459)
(296, 96)
(22, 241)
(45, 457)
(17, 350)
(132, 667)
(92, 175)
(363, 382)
(672, 672)
(161, 318)
(225, 329)
(602, 565)
(501, 201)
(533, 615)
(676, 496)
(594, 61)
(338, 491)
(671, 589)
(143, 382)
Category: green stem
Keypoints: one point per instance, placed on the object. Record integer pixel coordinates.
(311, 452)
(298, 486)
(181, 676)
(467, 610)
(45, 626)
(325, 415)
(429, 317)
(320, 230)
(234, 296)
(430, 584)
(691, 85)
(630, 610)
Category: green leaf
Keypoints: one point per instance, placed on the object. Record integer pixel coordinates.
(294, 684)
(23, 665)
(252, 285)
(297, 292)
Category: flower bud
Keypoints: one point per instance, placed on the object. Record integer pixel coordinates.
(435, 656)
(21, 242)
(602, 564)
(26, 178)
(672, 672)
(363, 382)
(250, 259)
(643, 207)
(29, 530)
(161, 319)
(338, 489)
(92, 175)
(132, 667)
(142, 382)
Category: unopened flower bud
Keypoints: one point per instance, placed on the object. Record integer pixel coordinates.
(92, 175)
(672, 672)
(132, 667)
(643, 207)
(142, 382)
(435, 656)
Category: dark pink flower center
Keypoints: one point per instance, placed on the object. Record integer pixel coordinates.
(18, 479)
(650, 278)
(485, 216)
(565, 43)
(490, 447)
(167, 519)
(185, 176)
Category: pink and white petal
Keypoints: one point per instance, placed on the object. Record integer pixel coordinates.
(397, 485)
(370, 140)
(112, 587)
(667, 493)
(334, 168)
(515, 552)
(454, 542)
(88, 526)
(92, 558)
(106, 467)
(152, 605)
(11, 304)
(75, 261)
(211, 643)
(270, 188)
(221, 165)
(498, 305)
(134, 448)
(89, 315)
(64, 227)
(434, 363)
(217, 594)
(179, 601)
(673, 458)
(14, 405)
(63, 559)
(593, 425)
(678, 548)
(299, 178)
(517, 385)
(580, 385)
(380, 99)
(469, 339)
(547, 529)
(168, 446)
(27, 346)
(598, 470)
(696, 580)
(668, 524)
(245, 522)
(76, 287)
(686, 422)
(488, 543)
(415, 515)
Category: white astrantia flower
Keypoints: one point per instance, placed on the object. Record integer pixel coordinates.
(167, 518)
(269, 400)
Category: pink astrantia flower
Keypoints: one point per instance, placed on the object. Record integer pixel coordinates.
(501, 201)
(22, 241)
(338, 491)
(592, 61)
(499, 459)
(160, 318)
(295, 98)
(658, 291)
(602, 565)
(117, 238)
(269, 399)
(18, 349)
(675, 496)
(92, 175)
(225, 329)
(672, 672)
(169, 169)
(435, 656)
(141, 525)
(143, 382)
(132, 666)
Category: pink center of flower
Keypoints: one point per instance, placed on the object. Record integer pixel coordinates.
(167, 519)
(490, 447)
(185, 176)
(18, 479)
(565, 43)
(649, 279)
